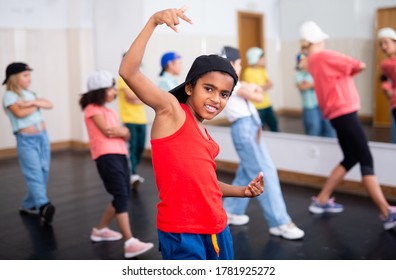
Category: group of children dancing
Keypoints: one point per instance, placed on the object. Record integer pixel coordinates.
(195, 209)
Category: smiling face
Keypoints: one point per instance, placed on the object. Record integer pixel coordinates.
(209, 95)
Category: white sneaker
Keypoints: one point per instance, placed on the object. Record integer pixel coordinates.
(287, 231)
(136, 179)
(237, 220)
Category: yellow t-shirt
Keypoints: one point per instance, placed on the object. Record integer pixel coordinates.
(258, 76)
(129, 113)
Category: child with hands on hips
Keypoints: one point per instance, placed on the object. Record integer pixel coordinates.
(191, 220)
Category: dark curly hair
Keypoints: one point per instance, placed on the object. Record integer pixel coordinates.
(97, 97)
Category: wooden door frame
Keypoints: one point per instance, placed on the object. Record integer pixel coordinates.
(256, 16)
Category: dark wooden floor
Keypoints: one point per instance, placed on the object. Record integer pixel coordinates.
(77, 192)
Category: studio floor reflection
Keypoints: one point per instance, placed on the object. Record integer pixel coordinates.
(76, 190)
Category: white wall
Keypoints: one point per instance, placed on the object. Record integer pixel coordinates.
(209, 32)
(65, 40)
(55, 39)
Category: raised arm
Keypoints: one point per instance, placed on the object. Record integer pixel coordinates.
(129, 70)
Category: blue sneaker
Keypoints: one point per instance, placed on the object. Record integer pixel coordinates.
(329, 207)
(390, 221)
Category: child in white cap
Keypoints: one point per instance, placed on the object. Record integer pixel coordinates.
(387, 43)
(339, 101)
(108, 149)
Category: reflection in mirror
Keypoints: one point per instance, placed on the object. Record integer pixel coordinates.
(356, 39)
(292, 123)
(385, 67)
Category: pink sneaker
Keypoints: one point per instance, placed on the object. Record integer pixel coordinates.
(134, 247)
(105, 234)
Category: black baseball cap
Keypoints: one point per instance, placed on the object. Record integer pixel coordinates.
(202, 65)
(15, 68)
(230, 53)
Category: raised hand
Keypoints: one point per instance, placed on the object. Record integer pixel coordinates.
(171, 17)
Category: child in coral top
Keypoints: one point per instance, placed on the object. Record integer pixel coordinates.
(387, 42)
(339, 101)
(108, 149)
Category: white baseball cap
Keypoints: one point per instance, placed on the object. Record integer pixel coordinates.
(312, 33)
(253, 55)
(100, 79)
(387, 32)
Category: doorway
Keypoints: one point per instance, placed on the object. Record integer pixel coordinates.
(385, 17)
(250, 33)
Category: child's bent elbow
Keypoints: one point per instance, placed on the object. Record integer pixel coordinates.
(121, 72)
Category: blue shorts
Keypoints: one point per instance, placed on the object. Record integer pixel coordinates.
(188, 246)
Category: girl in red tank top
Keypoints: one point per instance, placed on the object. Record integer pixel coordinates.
(191, 220)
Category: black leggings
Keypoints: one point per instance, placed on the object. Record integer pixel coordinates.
(394, 114)
(115, 174)
(353, 142)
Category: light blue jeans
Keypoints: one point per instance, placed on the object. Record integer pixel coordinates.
(315, 124)
(34, 159)
(254, 157)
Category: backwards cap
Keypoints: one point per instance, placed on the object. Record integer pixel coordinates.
(166, 58)
(202, 65)
(15, 68)
(230, 53)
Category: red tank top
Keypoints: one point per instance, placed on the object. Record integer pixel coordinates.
(185, 173)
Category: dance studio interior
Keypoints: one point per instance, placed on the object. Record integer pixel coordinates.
(64, 41)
